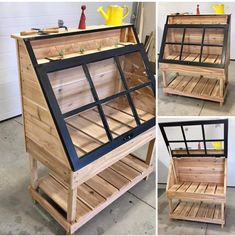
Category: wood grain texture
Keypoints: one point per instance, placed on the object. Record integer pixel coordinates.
(39, 121)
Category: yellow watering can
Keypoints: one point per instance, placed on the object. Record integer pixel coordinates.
(218, 8)
(114, 15)
(217, 145)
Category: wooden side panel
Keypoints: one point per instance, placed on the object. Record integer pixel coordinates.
(170, 178)
(39, 125)
(207, 170)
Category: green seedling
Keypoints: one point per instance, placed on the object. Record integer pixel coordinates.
(61, 53)
(82, 50)
(99, 48)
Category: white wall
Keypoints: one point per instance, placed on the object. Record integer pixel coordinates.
(16, 17)
(205, 8)
(149, 19)
(164, 158)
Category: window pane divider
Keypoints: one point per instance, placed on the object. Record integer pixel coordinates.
(182, 44)
(196, 44)
(203, 36)
(204, 139)
(186, 145)
(96, 98)
(196, 140)
(101, 101)
(129, 98)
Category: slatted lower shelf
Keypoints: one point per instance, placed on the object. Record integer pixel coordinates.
(198, 211)
(99, 191)
(197, 87)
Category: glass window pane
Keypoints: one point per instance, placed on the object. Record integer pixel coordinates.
(191, 53)
(193, 132)
(174, 133)
(193, 35)
(119, 116)
(214, 131)
(172, 52)
(174, 35)
(106, 78)
(87, 131)
(211, 55)
(134, 69)
(178, 148)
(215, 147)
(196, 147)
(214, 36)
(71, 88)
(144, 102)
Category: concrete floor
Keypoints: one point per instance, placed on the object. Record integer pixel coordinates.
(131, 214)
(173, 105)
(180, 227)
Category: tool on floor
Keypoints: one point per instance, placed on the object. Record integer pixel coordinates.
(82, 22)
(218, 8)
(115, 14)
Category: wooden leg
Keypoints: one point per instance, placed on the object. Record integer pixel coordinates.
(72, 204)
(221, 84)
(69, 233)
(222, 214)
(150, 152)
(221, 92)
(164, 79)
(170, 205)
(226, 77)
(33, 172)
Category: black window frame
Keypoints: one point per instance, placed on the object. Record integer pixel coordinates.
(225, 27)
(201, 123)
(42, 71)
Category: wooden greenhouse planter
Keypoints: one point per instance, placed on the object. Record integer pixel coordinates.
(84, 96)
(196, 48)
(196, 184)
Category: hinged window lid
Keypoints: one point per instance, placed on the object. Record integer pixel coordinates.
(202, 138)
(202, 41)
